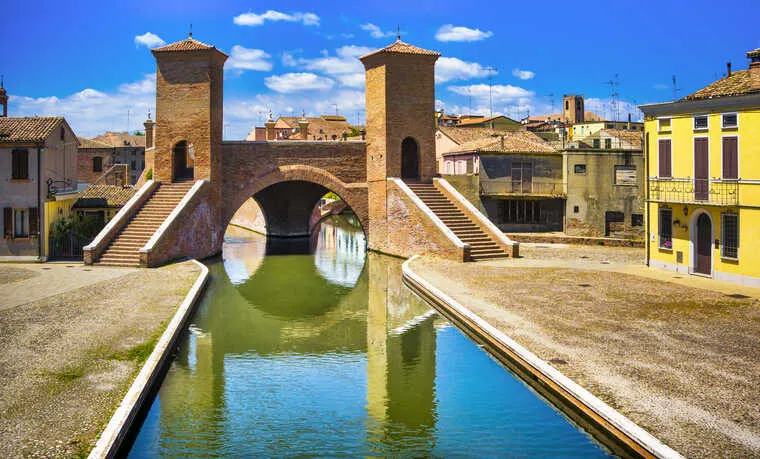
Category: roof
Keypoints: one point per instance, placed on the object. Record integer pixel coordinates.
(738, 83)
(120, 139)
(399, 47)
(329, 125)
(589, 117)
(188, 44)
(630, 137)
(506, 142)
(99, 196)
(474, 121)
(28, 129)
(462, 135)
(89, 143)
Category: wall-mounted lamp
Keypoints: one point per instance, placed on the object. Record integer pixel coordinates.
(685, 211)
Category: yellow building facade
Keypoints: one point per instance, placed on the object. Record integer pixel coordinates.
(703, 180)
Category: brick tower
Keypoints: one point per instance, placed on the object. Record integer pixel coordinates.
(573, 110)
(400, 107)
(189, 124)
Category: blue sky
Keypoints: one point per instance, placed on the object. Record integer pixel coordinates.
(89, 61)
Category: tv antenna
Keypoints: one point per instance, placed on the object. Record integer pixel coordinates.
(491, 71)
(551, 97)
(675, 89)
(614, 94)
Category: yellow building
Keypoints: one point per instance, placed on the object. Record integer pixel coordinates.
(703, 161)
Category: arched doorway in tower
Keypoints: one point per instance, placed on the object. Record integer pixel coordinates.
(410, 159)
(183, 161)
(703, 256)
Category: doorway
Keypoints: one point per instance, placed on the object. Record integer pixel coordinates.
(183, 162)
(703, 259)
(410, 159)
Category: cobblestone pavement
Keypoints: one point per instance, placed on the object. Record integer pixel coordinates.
(676, 354)
(69, 353)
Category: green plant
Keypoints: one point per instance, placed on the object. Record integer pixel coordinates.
(149, 174)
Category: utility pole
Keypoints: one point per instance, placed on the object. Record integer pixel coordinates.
(491, 71)
(675, 89)
(128, 121)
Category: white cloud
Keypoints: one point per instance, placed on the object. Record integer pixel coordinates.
(297, 82)
(501, 93)
(248, 59)
(451, 68)
(91, 112)
(523, 74)
(449, 32)
(353, 80)
(149, 39)
(344, 66)
(376, 32)
(253, 19)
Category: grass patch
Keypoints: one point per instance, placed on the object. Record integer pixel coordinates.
(68, 373)
(139, 353)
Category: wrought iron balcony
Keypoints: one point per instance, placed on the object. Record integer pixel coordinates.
(717, 192)
(521, 188)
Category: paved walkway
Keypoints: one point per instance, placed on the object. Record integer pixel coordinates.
(41, 280)
(676, 354)
(72, 339)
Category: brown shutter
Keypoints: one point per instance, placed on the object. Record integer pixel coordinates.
(8, 223)
(730, 158)
(33, 226)
(664, 158)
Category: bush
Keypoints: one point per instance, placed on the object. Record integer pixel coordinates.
(149, 174)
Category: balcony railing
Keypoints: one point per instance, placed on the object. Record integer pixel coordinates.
(695, 191)
(521, 188)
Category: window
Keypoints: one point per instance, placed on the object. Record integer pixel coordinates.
(663, 124)
(730, 236)
(610, 126)
(666, 228)
(700, 123)
(596, 143)
(625, 175)
(607, 144)
(20, 164)
(576, 209)
(664, 158)
(63, 133)
(580, 169)
(97, 164)
(731, 158)
(20, 223)
(520, 211)
(637, 219)
(134, 164)
(729, 120)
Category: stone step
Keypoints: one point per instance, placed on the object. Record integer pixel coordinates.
(486, 251)
(121, 251)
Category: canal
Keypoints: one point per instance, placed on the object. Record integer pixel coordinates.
(316, 348)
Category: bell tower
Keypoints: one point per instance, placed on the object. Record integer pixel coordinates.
(400, 107)
(3, 98)
(189, 124)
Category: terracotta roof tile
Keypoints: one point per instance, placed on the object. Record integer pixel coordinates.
(28, 129)
(738, 83)
(506, 142)
(120, 139)
(98, 196)
(471, 121)
(188, 44)
(399, 47)
(90, 143)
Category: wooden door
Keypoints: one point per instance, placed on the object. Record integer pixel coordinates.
(701, 170)
(704, 245)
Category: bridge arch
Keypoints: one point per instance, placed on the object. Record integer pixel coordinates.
(291, 192)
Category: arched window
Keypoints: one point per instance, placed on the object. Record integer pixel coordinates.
(97, 164)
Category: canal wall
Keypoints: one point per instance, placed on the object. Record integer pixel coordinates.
(611, 428)
(146, 382)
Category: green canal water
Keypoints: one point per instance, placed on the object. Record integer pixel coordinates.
(316, 348)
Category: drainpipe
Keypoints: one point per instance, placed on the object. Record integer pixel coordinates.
(646, 194)
(40, 207)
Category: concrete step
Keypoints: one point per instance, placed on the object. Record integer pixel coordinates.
(486, 251)
(121, 251)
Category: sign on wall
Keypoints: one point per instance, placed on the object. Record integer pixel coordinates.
(625, 175)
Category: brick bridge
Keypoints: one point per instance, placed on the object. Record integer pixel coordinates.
(199, 181)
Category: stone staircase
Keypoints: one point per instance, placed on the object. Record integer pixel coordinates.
(482, 246)
(124, 247)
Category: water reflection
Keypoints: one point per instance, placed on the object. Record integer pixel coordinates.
(329, 354)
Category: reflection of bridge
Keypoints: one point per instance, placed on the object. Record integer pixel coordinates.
(286, 178)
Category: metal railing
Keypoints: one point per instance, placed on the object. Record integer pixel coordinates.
(521, 188)
(698, 191)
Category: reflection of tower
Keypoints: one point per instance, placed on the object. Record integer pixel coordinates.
(400, 364)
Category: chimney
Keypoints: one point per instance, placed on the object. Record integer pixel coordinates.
(149, 125)
(629, 121)
(270, 127)
(3, 98)
(728, 68)
(754, 61)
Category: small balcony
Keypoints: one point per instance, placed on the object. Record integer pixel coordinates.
(717, 192)
(550, 189)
